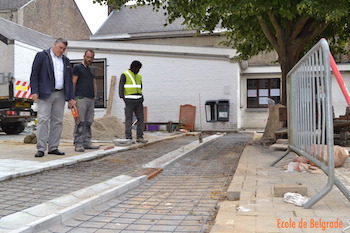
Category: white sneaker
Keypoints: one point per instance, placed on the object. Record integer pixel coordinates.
(79, 149)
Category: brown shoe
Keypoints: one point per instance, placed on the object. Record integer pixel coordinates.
(141, 140)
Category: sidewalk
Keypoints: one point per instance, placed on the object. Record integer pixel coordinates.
(257, 209)
(17, 158)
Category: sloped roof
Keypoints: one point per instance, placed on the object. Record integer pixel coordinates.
(12, 31)
(141, 21)
(12, 4)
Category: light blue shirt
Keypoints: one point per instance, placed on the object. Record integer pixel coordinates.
(58, 70)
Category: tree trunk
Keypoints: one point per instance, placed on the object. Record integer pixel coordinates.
(285, 69)
(287, 62)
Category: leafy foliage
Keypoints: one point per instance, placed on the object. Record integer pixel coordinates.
(254, 26)
(290, 27)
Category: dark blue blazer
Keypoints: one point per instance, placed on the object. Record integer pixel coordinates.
(42, 79)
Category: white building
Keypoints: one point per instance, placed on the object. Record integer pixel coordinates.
(172, 76)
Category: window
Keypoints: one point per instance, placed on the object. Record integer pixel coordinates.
(259, 91)
(99, 65)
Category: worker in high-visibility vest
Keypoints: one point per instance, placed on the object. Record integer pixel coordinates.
(130, 90)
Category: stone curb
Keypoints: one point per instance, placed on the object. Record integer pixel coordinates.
(166, 160)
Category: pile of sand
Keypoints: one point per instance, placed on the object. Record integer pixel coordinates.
(105, 128)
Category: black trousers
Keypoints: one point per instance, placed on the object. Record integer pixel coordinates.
(134, 106)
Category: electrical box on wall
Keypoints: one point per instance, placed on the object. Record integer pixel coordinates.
(210, 110)
(217, 110)
(223, 109)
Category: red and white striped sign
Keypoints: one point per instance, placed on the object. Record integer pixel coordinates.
(22, 89)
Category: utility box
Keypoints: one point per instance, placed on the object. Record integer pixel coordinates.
(210, 110)
(223, 109)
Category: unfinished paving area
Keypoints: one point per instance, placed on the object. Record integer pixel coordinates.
(24, 192)
(256, 210)
(183, 198)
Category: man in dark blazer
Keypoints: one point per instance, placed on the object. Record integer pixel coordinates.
(51, 85)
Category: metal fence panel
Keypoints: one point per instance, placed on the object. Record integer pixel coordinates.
(310, 115)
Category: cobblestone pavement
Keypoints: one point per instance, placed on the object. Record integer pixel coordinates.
(24, 192)
(183, 198)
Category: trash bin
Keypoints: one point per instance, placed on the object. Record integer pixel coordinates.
(210, 110)
(223, 109)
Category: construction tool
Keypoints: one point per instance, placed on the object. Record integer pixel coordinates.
(75, 114)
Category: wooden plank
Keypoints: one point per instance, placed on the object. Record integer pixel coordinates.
(337, 124)
(111, 95)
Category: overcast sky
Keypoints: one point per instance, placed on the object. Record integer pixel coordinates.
(94, 14)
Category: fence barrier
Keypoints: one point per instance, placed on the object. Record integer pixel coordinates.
(310, 115)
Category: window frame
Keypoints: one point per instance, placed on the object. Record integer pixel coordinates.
(100, 76)
(260, 92)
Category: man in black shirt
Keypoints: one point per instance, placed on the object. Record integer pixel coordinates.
(85, 87)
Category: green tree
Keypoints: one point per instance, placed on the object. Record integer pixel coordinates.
(290, 27)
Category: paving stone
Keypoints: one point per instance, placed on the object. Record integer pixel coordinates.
(281, 189)
(137, 227)
(92, 224)
(108, 231)
(116, 226)
(83, 230)
(104, 219)
(163, 228)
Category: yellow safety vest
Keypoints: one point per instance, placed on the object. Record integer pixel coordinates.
(132, 85)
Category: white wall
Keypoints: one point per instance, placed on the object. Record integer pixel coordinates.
(6, 58)
(257, 118)
(173, 80)
(17, 58)
(23, 59)
(338, 99)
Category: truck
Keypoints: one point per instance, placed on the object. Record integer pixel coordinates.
(16, 104)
